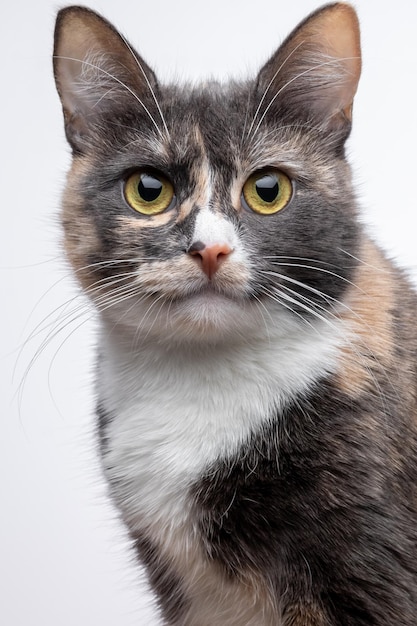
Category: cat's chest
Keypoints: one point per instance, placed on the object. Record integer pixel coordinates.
(171, 414)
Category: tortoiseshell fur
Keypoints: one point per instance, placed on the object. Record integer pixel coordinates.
(258, 425)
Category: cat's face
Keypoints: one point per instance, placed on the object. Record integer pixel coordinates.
(205, 212)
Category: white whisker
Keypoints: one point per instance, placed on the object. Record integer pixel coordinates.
(148, 84)
(309, 70)
(117, 80)
(329, 317)
(268, 88)
(276, 296)
(318, 269)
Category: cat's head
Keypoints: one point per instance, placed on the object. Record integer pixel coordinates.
(208, 212)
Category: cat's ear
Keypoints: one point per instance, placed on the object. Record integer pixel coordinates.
(96, 71)
(316, 70)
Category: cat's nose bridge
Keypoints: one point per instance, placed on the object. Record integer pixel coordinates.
(210, 257)
(212, 228)
(214, 239)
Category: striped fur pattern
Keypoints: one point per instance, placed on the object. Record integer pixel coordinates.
(256, 374)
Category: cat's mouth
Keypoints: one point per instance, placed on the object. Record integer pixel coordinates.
(183, 280)
(210, 313)
(211, 293)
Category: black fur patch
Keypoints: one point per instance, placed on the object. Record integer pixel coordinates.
(310, 504)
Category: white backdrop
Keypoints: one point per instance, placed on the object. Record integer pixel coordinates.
(64, 558)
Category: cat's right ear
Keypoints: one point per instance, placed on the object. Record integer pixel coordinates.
(96, 72)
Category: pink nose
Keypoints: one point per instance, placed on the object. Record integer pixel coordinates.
(210, 257)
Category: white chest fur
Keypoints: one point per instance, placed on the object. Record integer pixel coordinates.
(176, 411)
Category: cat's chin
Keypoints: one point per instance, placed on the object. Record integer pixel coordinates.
(206, 316)
(209, 315)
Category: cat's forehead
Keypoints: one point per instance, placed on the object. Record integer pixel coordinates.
(210, 116)
(210, 132)
(220, 125)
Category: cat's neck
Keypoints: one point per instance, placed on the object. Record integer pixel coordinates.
(287, 356)
(176, 409)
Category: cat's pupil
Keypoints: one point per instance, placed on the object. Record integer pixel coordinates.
(149, 188)
(267, 188)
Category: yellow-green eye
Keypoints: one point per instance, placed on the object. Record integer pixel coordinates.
(267, 192)
(148, 193)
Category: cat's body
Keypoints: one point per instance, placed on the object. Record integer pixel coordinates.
(256, 377)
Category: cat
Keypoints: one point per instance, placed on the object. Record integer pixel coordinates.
(256, 369)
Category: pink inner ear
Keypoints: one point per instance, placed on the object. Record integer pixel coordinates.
(92, 60)
(340, 39)
(96, 72)
(318, 66)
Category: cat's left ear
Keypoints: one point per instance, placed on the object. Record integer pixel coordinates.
(315, 73)
(96, 71)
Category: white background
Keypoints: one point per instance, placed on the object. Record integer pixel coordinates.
(64, 558)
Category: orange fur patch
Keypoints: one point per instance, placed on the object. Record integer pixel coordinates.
(214, 597)
(81, 238)
(302, 615)
(368, 317)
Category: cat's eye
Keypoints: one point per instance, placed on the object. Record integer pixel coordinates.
(267, 192)
(149, 193)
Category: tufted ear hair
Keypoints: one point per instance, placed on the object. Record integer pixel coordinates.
(96, 71)
(315, 72)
